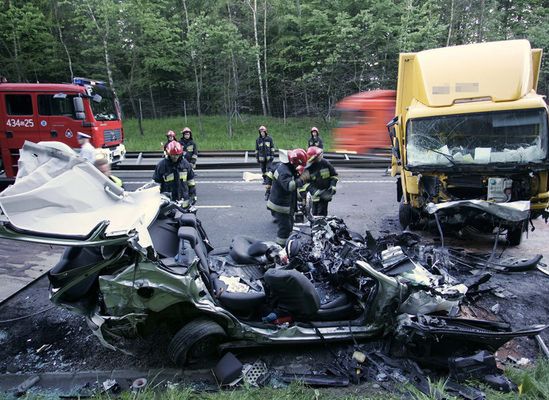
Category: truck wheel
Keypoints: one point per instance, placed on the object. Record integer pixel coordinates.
(514, 236)
(405, 215)
(197, 339)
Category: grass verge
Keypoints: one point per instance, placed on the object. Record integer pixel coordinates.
(214, 134)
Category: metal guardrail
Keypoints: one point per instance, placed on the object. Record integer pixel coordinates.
(251, 154)
(337, 160)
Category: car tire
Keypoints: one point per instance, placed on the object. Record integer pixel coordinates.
(199, 338)
(514, 236)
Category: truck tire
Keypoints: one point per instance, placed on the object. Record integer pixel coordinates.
(514, 235)
(199, 338)
(405, 215)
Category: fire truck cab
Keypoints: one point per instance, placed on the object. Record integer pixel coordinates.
(56, 112)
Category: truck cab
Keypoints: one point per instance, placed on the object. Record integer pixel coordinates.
(362, 120)
(470, 137)
(56, 112)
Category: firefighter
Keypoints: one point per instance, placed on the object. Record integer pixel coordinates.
(322, 182)
(103, 165)
(176, 176)
(190, 150)
(170, 136)
(264, 151)
(87, 151)
(283, 198)
(315, 139)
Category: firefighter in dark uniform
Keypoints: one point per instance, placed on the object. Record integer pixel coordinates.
(322, 182)
(315, 139)
(283, 198)
(264, 151)
(189, 146)
(175, 175)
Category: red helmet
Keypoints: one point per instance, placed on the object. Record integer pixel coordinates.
(297, 157)
(186, 129)
(174, 148)
(314, 129)
(314, 154)
(170, 134)
(262, 128)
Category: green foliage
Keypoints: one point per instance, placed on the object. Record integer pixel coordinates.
(167, 57)
(533, 382)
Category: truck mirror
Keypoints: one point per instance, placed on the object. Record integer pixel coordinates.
(396, 149)
(79, 108)
(391, 127)
(392, 135)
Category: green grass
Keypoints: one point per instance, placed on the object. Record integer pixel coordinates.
(214, 136)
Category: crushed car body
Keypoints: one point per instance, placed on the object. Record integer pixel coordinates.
(138, 261)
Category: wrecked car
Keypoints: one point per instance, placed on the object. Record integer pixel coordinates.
(135, 261)
(470, 140)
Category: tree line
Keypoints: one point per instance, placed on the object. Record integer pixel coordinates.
(231, 57)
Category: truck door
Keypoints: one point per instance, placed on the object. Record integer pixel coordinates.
(57, 118)
(18, 123)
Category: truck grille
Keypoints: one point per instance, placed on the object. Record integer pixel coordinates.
(112, 135)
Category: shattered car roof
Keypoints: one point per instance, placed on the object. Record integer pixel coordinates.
(57, 193)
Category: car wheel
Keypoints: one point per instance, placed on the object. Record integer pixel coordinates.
(197, 339)
(514, 236)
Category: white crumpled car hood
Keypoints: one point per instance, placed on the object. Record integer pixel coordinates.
(58, 193)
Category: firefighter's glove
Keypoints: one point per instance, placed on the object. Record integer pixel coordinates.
(305, 176)
(326, 195)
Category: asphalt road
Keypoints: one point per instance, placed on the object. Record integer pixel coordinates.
(228, 206)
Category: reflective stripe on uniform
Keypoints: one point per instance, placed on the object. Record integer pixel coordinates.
(261, 158)
(168, 178)
(292, 185)
(191, 182)
(183, 175)
(325, 173)
(277, 208)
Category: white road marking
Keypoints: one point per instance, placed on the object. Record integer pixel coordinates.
(225, 206)
(258, 182)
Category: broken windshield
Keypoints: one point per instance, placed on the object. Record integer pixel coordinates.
(518, 136)
(105, 109)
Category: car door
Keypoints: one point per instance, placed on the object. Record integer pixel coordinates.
(57, 118)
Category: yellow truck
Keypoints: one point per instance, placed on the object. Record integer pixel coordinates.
(470, 138)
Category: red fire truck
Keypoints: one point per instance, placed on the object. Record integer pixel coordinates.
(362, 122)
(56, 112)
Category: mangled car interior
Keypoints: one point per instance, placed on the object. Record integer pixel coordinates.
(139, 261)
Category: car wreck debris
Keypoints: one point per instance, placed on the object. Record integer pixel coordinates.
(22, 388)
(140, 262)
(228, 370)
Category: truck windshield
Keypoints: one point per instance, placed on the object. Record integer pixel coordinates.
(106, 109)
(518, 136)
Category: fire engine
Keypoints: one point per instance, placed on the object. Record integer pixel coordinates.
(56, 112)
